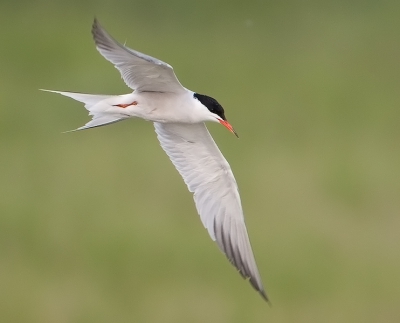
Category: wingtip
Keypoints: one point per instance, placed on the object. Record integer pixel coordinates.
(95, 22)
(260, 289)
(100, 35)
(95, 25)
(96, 28)
(265, 297)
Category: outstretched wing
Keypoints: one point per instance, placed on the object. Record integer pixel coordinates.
(208, 175)
(140, 72)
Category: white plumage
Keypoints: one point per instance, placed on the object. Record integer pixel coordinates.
(179, 115)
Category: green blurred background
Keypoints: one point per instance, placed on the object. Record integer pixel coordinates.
(97, 226)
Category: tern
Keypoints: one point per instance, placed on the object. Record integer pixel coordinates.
(178, 115)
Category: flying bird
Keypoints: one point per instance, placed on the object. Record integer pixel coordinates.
(178, 115)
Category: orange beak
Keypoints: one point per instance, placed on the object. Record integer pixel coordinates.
(228, 126)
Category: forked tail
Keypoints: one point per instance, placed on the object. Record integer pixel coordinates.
(96, 109)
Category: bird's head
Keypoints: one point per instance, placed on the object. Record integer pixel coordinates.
(215, 111)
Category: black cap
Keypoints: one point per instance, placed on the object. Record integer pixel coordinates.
(211, 104)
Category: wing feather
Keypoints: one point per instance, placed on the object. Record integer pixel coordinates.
(208, 175)
(140, 72)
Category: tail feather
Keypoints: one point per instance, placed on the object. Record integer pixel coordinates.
(88, 99)
(98, 111)
(98, 122)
